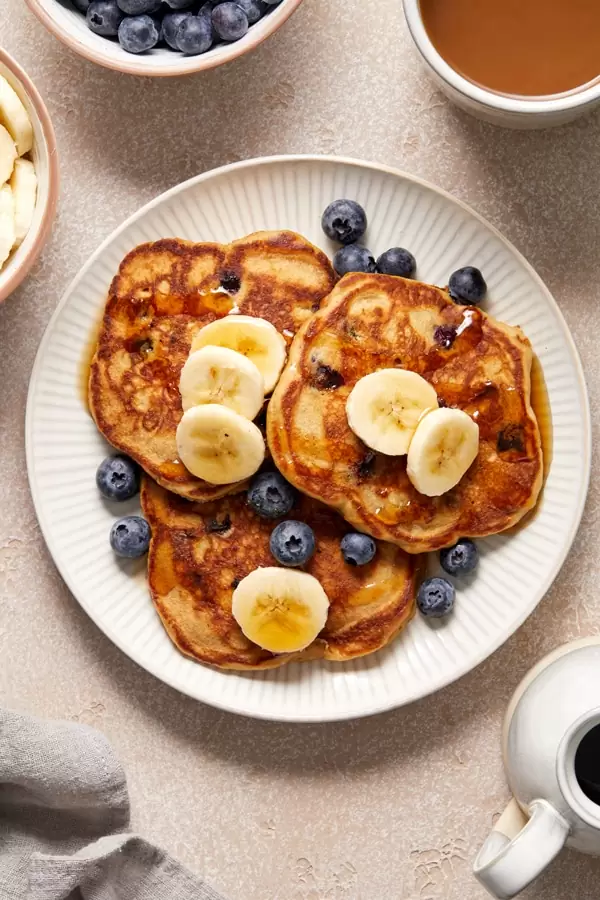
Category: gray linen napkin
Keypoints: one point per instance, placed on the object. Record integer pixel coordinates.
(63, 804)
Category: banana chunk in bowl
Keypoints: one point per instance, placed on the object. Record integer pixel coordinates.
(29, 175)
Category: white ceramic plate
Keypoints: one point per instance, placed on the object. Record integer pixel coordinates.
(64, 448)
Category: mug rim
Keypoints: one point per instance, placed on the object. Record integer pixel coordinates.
(571, 100)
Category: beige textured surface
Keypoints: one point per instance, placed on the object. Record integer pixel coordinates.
(393, 807)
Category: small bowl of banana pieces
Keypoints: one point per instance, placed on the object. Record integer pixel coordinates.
(29, 174)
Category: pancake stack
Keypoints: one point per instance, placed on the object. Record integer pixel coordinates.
(206, 538)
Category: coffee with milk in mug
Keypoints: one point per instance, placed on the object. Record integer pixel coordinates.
(520, 47)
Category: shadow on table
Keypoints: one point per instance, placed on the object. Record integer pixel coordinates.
(166, 130)
(412, 732)
(532, 182)
(577, 875)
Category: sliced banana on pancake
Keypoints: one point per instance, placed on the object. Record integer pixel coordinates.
(384, 409)
(443, 448)
(7, 222)
(219, 445)
(15, 118)
(220, 375)
(24, 187)
(282, 611)
(8, 155)
(256, 339)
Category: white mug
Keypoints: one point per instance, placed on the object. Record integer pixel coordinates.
(553, 709)
(501, 109)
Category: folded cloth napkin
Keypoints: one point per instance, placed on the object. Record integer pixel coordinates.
(63, 809)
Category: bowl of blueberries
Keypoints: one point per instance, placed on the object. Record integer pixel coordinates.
(162, 37)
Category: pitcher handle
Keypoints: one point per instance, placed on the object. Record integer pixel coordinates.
(517, 850)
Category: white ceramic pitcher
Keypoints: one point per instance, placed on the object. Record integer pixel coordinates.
(552, 710)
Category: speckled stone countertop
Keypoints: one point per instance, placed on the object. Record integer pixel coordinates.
(391, 807)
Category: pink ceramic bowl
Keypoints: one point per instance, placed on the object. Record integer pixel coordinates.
(45, 159)
(69, 26)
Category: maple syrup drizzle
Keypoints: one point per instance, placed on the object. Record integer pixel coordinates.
(87, 355)
(540, 403)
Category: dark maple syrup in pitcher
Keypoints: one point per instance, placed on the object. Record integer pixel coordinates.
(523, 47)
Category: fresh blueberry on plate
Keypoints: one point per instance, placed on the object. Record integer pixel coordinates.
(270, 495)
(292, 543)
(397, 261)
(139, 7)
(118, 478)
(81, 5)
(194, 35)
(130, 537)
(137, 34)
(435, 597)
(460, 559)
(353, 258)
(358, 549)
(170, 26)
(104, 17)
(467, 286)
(230, 21)
(179, 4)
(344, 221)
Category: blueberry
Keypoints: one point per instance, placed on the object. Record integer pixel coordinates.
(467, 286)
(230, 21)
(461, 558)
(445, 335)
(194, 35)
(252, 8)
(180, 4)
(270, 495)
(138, 34)
(358, 549)
(104, 17)
(206, 11)
(170, 25)
(272, 2)
(130, 537)
(118, 478)
(344, 221)
(353, 258)
(139, 7)
(435, 597)
(397, 261)
(292, 543)
(81, 5)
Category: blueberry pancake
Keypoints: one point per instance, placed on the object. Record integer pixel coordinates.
(474, 364)
(201, 552)
(163, 294)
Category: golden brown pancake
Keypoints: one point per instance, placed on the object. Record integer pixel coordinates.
(200, 552)
(481, 366)
(162, 295)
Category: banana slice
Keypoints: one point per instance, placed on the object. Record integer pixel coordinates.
(280, 610)
(255, 338)
(24, 187)
(384, 408)
(7, 223)
(220, 375)
(444, 446)
(217, 444)
(8, 155)
(14, 117)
